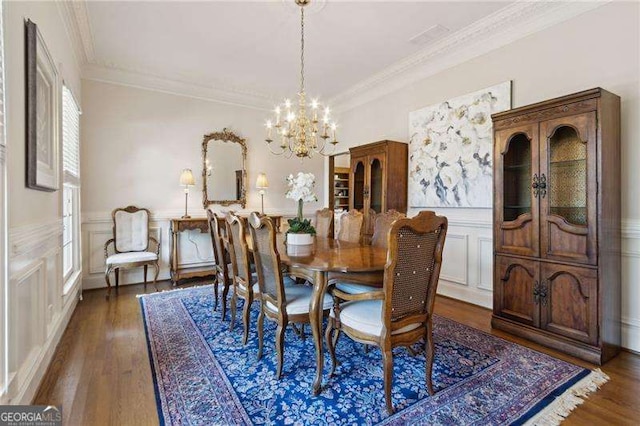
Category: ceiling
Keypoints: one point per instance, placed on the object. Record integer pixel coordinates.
(254, 46)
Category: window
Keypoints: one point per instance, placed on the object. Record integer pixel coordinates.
(71, 190)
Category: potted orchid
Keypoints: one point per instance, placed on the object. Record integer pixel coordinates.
(301, 190)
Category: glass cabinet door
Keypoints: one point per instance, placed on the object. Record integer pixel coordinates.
(375, 189)
(516, 168)
(568, 203)
(358, 187)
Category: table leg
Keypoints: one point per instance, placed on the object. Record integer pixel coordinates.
(315, 317)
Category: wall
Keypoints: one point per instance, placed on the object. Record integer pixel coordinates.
(38, 309)
(135, 143)
(598, 48)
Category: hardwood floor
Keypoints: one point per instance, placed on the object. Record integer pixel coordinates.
(100, 372)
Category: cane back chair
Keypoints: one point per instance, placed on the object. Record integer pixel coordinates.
(245, 285)
(221, 259)
(351, 226)
(324, 220)
(401, 313)
(281, 302)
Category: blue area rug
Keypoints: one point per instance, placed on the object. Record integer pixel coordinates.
(203, 375)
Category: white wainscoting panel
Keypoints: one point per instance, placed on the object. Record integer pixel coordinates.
(38, 310)
(468, 257)
(485, 263)
(455, 258)
(630, 290)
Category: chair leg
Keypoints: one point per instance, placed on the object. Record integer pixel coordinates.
(280, 348)
(246, 310)
(387, 358)
(117, 273)
(106, 277)
(234, 307)
(225, 293)
(331, 340)
(216, 283)
(146, 267)
(155, 277)
(430, 351)
(260, 331)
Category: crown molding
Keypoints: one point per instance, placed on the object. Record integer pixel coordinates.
(501, 28)
(76, 21)
(504, 26)
(111, 73)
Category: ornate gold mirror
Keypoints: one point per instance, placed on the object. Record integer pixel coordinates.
(224, 177)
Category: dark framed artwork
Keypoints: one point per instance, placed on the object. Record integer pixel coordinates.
(42, 109)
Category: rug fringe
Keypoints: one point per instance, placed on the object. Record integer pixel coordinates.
(138, 296)
(554, 413)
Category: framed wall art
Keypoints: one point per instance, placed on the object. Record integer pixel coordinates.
(42, 109)
(450, 150)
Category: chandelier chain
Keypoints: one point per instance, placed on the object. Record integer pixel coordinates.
(303, 129)
(302, 50)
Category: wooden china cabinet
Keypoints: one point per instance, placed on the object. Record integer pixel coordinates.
(378, 180)
(557, 223)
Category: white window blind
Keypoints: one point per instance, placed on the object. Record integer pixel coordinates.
(70, 136)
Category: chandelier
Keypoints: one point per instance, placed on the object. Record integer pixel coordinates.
(301, 132)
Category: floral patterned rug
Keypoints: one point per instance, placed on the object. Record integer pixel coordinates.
(203, 375)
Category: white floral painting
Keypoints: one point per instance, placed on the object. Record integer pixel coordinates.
(450, 150)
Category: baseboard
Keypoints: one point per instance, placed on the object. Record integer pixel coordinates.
(466, 294)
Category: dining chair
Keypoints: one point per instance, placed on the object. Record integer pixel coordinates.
(382, 223)
(324, 220)
(281, 303)
(221, 259)
(401, 313)
(351, 226)
(130, 244)
(245, 285)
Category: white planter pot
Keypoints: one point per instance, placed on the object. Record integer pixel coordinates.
(299, 239)
(294, 250)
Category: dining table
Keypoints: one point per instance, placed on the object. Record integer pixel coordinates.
(328, 260)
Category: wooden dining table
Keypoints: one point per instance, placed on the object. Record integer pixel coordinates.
(330, 260)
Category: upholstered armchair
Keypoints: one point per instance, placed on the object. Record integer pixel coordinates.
(130, 244)
(399, 314)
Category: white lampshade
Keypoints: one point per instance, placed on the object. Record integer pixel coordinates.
(186, 178)
(262, 182)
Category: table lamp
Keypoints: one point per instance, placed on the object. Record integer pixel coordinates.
(186, 180)
(262, 183)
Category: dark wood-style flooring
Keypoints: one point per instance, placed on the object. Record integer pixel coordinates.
(100, 372)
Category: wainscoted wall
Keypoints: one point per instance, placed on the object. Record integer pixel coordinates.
(195, 248)
(40, 309)
(533, 63)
